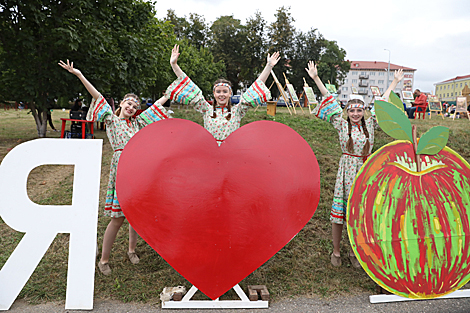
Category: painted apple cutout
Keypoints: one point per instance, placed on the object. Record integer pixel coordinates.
(409, 212)
(216, 214)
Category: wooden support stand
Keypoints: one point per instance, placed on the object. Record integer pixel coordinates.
(258, 291)
(243, 303)
(282, 92)
(310, 97)
(293, 96)
(461, 107)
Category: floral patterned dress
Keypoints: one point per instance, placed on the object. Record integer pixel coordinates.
(350, 163)
(119, 131)
(184, 90)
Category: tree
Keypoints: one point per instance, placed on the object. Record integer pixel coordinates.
(227, 43)
(179, 24)
(281, 35)
(195, 29)
(254, 51)
(333, 65)
(108, 40)
(312, 46)
(198, 64)
(197, 32)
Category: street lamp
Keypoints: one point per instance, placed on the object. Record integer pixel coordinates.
(388, 71)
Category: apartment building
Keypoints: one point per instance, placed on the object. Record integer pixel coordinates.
(364, 74)
(449, 89)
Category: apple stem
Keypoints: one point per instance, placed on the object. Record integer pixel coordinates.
(415, 147)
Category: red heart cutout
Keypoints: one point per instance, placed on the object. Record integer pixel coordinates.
(216, 214)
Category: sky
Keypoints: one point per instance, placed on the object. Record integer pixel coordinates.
(431, 36)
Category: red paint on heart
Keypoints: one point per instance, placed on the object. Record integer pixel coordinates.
(216, 214)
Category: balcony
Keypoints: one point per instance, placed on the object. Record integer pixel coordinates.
(363, 83)
(364, 76)
(362, 91)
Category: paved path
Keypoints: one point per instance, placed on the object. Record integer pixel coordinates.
(350, 304)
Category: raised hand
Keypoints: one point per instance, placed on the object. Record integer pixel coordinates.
(398, 76)
(273, 59)
(174, 55)
(312, 69)
(69, 67)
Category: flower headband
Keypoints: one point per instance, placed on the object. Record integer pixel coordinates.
(359, 105)
(222, 84)
(352, 105)
(131, 99)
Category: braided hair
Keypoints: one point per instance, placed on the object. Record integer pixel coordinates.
(350, 143)
(229, 103)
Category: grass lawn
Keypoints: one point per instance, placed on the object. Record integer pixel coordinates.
(302, 267)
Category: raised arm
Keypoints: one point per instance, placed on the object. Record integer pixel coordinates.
(313, 73)
(398, 76)
(162, 100)
(271, 62)
(174, 60)
(69, 67)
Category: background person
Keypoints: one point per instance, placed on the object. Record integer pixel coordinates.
(420, 99)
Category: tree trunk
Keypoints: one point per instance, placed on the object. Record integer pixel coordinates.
(40, 117)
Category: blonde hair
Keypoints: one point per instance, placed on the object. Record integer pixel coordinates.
(129, 95)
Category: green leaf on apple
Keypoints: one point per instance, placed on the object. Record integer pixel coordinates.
(433, 141)
(393, 99)
(393, 121)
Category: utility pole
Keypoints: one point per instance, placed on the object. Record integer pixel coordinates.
(388, 70)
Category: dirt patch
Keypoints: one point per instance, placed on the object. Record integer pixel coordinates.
(45, 179)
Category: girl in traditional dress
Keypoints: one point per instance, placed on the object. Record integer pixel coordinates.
(221, 118)
(120, 127)
(356, 136)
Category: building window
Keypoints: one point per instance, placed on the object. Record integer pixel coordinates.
(381, 73)
(381, 90)
(344, 88)
(390, 74)
(381, 81)
(372, 73)
(372, 81)
(447, 94)
(354, 72)
(460, 84)
(451, 94)
(354, 81)
(345, 96)
(345, 81)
